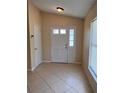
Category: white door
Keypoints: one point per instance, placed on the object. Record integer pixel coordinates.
(59, 45)
(37, 45)
(62, 45)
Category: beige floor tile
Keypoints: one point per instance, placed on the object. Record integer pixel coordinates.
(60, 87)
(51, 80)
(37, 85)
(58, 78)
(45, 90)
(71, 91)
(48, 91)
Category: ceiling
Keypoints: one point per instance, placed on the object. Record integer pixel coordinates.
(75, 8)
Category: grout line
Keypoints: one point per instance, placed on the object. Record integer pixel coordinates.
(59, 77)
(66, 82)
(45, 81)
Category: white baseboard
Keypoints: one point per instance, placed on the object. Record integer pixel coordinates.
(46, 61)
(75, 63)
(33, 68)
(78, 63)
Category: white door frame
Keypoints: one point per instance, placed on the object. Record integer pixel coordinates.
(71, 58)
(37, 46)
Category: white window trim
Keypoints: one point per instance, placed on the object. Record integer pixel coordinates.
(90, 69)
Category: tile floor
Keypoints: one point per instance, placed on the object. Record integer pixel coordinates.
(58, 78)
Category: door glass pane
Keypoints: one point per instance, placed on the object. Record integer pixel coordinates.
(55, 31)
(71, 43)
(71, 37)
(71, 31)
(62, 31)
(71, 34)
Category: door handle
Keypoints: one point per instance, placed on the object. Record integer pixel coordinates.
(65, 46)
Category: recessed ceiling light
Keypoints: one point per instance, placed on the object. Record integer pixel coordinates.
(60, 9)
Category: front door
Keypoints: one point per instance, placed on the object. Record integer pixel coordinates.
(59, 45)
(62, 45)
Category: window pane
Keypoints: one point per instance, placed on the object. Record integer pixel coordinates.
(71, 43)
(71, 37)
(62, 31)
(93, 50)
(55, 31)
(93, 59)
(72, 32)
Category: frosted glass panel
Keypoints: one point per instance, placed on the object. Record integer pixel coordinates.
(71, 37)
(62, 31)
(71, 31)
(71, 43)
(55, 31)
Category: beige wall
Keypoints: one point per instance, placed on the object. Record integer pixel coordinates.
(90, 16)
(51, 20)
(46, 21)
(34, 18)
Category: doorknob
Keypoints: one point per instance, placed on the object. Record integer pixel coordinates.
(65, 46)
(35, 48)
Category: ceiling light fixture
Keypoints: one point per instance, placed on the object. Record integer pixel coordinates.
(60, 9)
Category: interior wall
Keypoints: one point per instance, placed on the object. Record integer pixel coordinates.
(51, 20)
(34, 18)
(90, 16)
